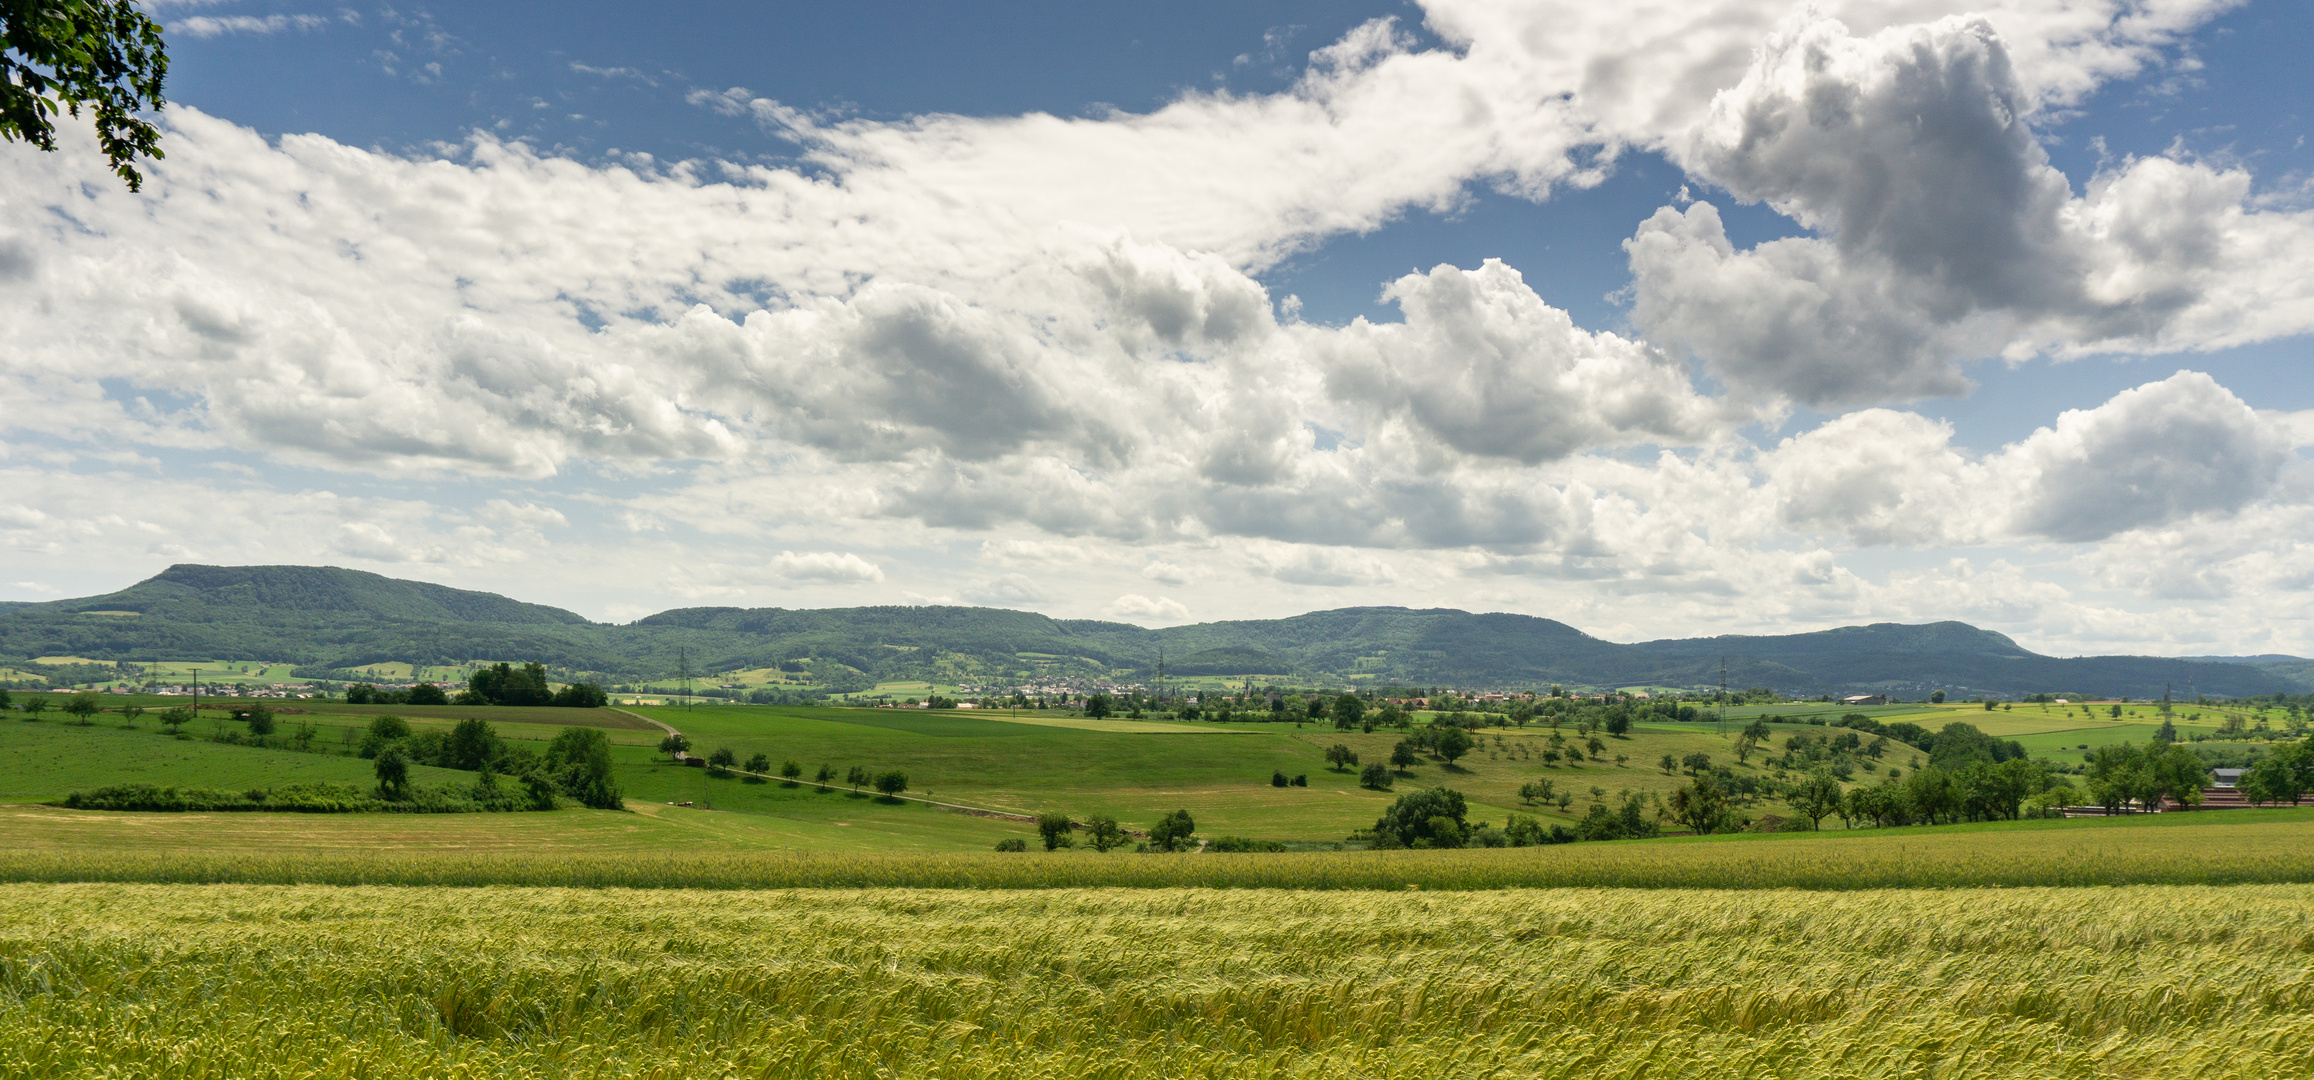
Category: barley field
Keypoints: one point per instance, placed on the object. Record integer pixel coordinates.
(48, 845)
(309, 982)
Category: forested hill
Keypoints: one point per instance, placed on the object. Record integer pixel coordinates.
(324, 617)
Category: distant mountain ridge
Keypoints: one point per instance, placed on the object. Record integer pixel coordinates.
(326, 617)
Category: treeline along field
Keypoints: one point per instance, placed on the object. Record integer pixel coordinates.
(315, 982)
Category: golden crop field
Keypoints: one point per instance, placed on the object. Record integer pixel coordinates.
(316, 981)
(605, 849)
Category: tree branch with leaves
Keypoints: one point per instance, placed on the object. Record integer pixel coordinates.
(66, 55)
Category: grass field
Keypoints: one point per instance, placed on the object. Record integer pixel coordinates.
(50, 760)
(1125, 769)
(311, 982)
(1135, 771)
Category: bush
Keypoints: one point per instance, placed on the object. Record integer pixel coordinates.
(487, 797)
(579, 761)
(1301, 780)
(1239, 843)
(390, 726)
(1429, 818)
(1277, 779)
(1012, 843)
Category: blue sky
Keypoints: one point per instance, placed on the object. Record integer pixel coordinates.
(409, 295)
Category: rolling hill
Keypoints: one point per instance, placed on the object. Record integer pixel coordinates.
(328, 618)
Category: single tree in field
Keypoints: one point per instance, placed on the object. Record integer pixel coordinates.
(176, 718)
(1173, 831)
(1669, 764)
(1696, 763)
(1815, 796)
(1597, 746)
(720, 762)
(260, 719)
(1052, 827)
(1102, 832)
(1565, 800)
(1535, 791)
(1097, 706)
(1375, 776)
(1404, 756)
(857, 777)
(674, 745)
(64, 55)
(1451, 742)
(393, 768)
(1340, 757)
(1347, 710)
(790, 770)
(130, 713)
(825, 776)
(84, 706)
(35, 705)
(892, 783)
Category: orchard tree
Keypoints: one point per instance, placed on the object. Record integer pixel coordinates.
(1173, 832)
(84, 706)
(1701, 806)
(675, 745)
(1815, 796)
(1102, 832)
(1340, 757)
(1451, 742)
(1053, 827)
(1375, 776)
(892, 782)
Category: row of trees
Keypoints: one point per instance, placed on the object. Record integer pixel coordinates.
(724, 762)
(1176, 831)
(498, 684)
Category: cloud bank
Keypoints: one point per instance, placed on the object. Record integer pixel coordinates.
(1029, 361)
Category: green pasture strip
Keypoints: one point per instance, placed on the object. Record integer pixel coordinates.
(49, 760)
(2219, 848)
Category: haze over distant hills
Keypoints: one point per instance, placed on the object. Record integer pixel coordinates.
(326, 617)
